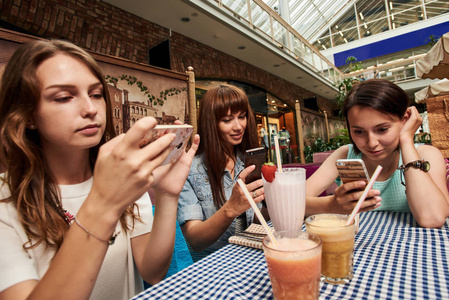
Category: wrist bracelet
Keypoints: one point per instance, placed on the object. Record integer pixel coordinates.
(111, 241)
(420, 164)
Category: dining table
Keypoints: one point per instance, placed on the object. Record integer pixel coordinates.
(394, 258)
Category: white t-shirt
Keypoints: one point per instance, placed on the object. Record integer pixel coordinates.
(118, 277)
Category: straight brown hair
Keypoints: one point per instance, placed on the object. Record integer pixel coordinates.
(216, 103)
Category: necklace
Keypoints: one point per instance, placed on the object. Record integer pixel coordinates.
(68, 217)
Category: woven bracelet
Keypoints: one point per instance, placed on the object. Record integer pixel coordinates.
(111, 241)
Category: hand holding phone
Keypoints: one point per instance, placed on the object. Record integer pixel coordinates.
(183, 133)
(352, 170)
(257, 157)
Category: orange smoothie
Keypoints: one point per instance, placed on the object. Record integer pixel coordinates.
(338, 246)
(294, 268)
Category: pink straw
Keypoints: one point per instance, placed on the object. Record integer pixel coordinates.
(257, 211)
(365, 192)
(278, 153)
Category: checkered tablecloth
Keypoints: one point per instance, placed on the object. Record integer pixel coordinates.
(394, 259)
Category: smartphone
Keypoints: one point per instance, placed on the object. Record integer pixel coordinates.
(178, 146)
(257, 157)
(352, 170)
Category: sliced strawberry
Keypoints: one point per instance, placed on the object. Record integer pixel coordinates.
(268, 171)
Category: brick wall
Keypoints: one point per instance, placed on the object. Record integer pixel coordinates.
(106, 29)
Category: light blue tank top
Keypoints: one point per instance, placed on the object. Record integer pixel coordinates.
(391, 190)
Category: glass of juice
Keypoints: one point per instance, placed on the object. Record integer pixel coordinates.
(294, 264)
(338, 246)
(286, 199)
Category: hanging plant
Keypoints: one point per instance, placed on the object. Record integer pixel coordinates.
(131, 80)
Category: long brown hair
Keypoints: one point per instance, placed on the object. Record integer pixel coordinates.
(379, 94)
(216, 103)
(34, 189)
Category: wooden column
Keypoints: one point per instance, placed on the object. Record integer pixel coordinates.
(299, 131)
(326, 123)
(191, 101)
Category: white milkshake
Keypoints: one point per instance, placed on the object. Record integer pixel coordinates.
(286, 199)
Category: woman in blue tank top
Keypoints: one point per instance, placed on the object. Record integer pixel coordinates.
(381, 126)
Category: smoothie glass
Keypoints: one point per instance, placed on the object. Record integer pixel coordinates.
(294, 264)
(286, 199)
(338, 245)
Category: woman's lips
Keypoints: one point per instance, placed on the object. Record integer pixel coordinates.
(377, 152)
(237, 136)
(90, 129)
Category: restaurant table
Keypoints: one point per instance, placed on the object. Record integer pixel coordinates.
(394, 258)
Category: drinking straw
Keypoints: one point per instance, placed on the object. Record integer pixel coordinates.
(278, 153)
(365, 192)
(257, 211)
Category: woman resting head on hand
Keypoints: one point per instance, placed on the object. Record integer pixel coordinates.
(70, 186)
(211, 201)
(382, 126)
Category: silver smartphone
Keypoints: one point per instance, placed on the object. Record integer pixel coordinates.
(183, 133)
(352, 170)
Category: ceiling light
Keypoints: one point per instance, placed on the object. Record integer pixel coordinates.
(185, 19)
(299, 77)
(366, 26)
(346, 41)
(391, 5)
(361, 15)
(392, 17)
(272, 101)
(241, 47)
(341, 33)
(276, 65)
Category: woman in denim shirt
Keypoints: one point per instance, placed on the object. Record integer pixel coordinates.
(210, 200)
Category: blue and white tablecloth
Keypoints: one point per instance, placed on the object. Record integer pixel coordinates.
(394, 258)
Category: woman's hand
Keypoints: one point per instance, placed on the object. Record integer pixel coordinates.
(237, 203)
(124, 171)
(170, 178)
(412, 121)
(347, 195)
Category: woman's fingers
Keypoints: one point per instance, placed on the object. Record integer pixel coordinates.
(246, 172)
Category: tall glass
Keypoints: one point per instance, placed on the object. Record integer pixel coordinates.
(338, 245)
(286, 199)
(294, 265)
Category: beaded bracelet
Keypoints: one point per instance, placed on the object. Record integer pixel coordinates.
(111, 241)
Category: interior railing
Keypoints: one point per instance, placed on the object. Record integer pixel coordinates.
(396, 71)
(261, 18)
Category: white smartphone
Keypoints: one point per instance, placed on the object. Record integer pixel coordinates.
(352, 170)
(183, 133)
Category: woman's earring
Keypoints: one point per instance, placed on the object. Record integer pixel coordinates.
(31, 126)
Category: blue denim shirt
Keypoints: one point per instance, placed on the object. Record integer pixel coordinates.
(196, 202)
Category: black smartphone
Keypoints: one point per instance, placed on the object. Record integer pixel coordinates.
(257, 157)
(352, 170)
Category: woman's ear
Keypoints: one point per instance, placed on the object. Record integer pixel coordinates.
(406, 116)
(30, 125)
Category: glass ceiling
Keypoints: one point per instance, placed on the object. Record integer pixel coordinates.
(310, 17)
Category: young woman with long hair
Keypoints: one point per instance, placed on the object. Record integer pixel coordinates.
(211, 200)
(70, 186)
(382, 127)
